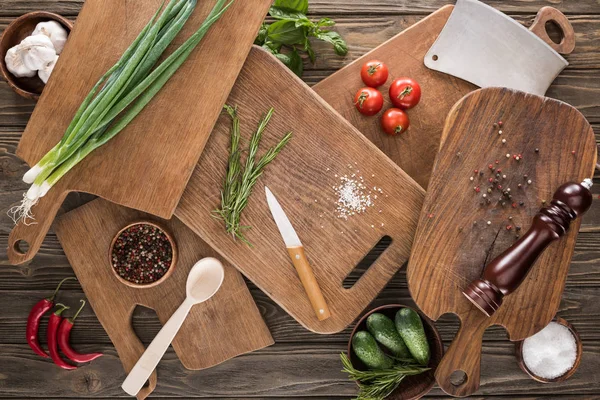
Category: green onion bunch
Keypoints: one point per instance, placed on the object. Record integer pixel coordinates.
(118, 97)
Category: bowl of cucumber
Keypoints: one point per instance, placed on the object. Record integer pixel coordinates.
(393, 353)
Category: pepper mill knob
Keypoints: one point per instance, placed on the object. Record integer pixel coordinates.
(504, 274)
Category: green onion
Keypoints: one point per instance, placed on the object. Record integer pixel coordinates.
(118, 97)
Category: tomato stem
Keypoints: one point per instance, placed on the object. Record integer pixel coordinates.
(405, 92)
(372, 69)
(398, 130)
(362, 98)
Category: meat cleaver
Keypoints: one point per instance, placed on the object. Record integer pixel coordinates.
(488, 48)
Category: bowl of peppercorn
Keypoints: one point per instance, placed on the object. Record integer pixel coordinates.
(143, 254)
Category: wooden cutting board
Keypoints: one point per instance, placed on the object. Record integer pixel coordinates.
(415, 150)
(454, 240)
(206, 338)
(146, 166)
(324, 148)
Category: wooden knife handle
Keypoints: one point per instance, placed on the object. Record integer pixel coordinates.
(551, 14)
(311, 286)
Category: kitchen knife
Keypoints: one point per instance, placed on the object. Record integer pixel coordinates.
(488, 48)
(296, 252)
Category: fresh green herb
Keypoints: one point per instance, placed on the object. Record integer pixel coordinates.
(239, 181)
(377, 385)
(118, 97)
(291, 32)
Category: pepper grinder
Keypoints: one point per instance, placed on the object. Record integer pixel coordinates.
(504, 274)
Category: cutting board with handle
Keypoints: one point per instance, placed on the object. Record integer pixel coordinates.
(206, 338)
(147, 165)
(404, 54)
(459, 232)
(324, 149)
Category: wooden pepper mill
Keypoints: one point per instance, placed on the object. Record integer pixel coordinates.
(504, 274)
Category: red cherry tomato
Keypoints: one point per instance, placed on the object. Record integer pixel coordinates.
(394, 121)
(368, 101)
(405, 93)
(374, 73)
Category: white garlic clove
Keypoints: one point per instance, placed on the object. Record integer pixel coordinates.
(36, 51)
(44, 73)
(14, 63)
(54, 31)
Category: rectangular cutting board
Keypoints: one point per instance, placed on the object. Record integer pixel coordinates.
(454, 240)
(415, 150)
(147, 165)
(324, 148)
(206, 337)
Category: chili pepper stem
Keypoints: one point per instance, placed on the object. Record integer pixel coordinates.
(82, 301)
(51, 298)
(61, 308)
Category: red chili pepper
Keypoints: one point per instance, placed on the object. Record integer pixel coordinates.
(35, 316)
(55, 320)
(64, 334)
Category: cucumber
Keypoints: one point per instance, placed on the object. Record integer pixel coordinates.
(383, 330)
(410, 328)
(366, 349)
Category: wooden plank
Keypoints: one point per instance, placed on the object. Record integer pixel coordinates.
(335, 7)
(578, 306)
(283, 370)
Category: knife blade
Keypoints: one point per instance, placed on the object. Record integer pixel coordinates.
(298, 257)
(488, 48)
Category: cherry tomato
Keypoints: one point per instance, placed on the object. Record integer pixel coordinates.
(374, 73)
(368, 101)
(405, 93)
(394, 121)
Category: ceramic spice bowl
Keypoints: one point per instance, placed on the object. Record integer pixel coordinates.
(413, 387)
(170, 269)
(19, 29)
(569, 373)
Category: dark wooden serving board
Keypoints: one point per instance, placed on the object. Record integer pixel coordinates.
(146, 166)
(453, 239)
(207, 336)
(324, 147)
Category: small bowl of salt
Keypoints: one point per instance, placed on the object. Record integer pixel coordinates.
(551, 355)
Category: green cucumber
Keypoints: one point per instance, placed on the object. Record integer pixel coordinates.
(410, 328)
(383, 330)
(366, 349)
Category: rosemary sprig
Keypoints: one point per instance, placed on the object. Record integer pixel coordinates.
(238, 182)
(377, 385)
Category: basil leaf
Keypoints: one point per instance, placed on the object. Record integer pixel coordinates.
(286, 32)
(323, 22)
(309, 50)
(339, 45)
(293, 61)
(262, 35)
(283, 13)
(293, 5)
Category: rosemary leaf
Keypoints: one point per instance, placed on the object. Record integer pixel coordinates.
(239, 182)
(378, 384)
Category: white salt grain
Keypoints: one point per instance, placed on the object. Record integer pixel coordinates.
(353, 197)
(551, 352)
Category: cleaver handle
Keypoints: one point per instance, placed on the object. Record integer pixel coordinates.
(551, 14)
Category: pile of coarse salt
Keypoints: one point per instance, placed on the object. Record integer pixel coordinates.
(353, 196)
(551, 352)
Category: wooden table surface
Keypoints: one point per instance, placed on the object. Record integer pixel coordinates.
(301, 364)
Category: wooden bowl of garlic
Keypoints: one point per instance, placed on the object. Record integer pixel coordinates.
(29, 49)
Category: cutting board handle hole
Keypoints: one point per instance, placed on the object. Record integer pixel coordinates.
(21, 247)
(434, 57)
(363, 266)
(458, 378)
(555, 32)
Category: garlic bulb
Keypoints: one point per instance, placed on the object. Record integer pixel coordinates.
(46, 70)
(54, 31)
(14, 63)
(36, 51)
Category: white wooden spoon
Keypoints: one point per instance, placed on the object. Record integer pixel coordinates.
(204, 280)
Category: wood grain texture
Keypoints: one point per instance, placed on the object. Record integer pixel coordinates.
(414, 150)
(146, 166)
(323, 149)
(457, 235)
(205, 337)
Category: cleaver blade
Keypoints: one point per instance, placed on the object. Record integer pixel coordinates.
(488, 48)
